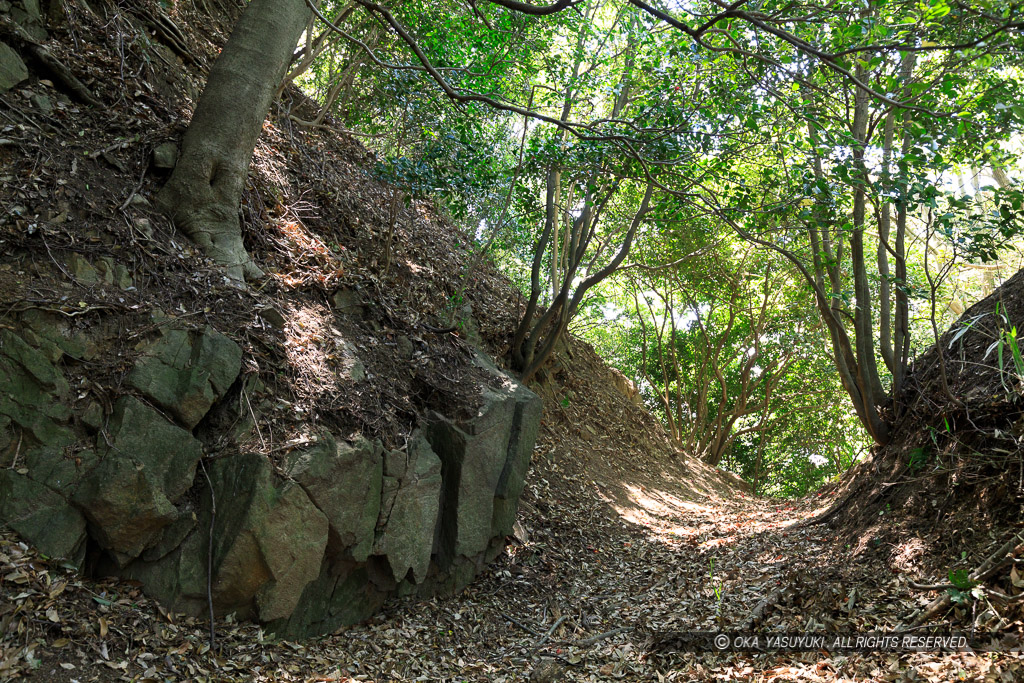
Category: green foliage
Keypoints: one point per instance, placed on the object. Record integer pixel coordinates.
(752, 315)
(917, 459)
(963, 588)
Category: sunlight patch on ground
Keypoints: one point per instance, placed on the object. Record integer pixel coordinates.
(906, 556)
(656, 509)
(316, 351)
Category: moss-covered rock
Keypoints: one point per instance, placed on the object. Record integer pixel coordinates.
(148, 465)
(344, 481)
(305, 544)
(42, 516)
(185, 372)
(12, 69)
(33, 392)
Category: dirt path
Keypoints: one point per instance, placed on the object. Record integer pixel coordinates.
(598, 586)
(609, 572)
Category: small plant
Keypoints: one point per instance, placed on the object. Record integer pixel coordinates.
(718, 588)
(1008, 342)
(917, 459)
(1008, 354)
(962, 588)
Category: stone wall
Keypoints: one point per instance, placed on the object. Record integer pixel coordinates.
(313, 539)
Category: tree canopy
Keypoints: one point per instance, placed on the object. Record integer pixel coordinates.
(762, 211)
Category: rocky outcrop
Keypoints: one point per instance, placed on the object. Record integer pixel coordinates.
(476, 456)
(410, 504)
(12, 69)
(344, 481)
(626, 386)
(185, 372)
(35, 474)
(445, 505)
(129, 496)
(304, 541)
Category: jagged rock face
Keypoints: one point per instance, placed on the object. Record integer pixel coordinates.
(344, 482)
(33, 425)
(185, 373)
(317, 539)
(12, 69)
(129, 496)
(446, 504)
(409, 510)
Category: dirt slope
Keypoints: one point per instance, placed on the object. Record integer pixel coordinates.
(951, 478)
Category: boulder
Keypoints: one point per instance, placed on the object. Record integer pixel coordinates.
(166, 452)
(12, 69)
(113, 273)
(178, 579)
(304, 544)
(148, 465)
(32, 9)
(347, 302)
(525, 425)
(293, 540)
(269, 539)
(185, 372)
(6, 436)
(28, 15)
(54, 337)
(344, 481)
(406, 526)
(42, 517)
(126, 511)
(625, 386)
(475, 455)
(14, 349)
(83, 270)
(32, 391)
(165, 156)
(59, 468)
(404, 347)
(42, 103)
(174, 534)
(336, 598)
(272, 317)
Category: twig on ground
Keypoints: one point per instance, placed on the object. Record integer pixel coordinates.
(520, 625)
(587, 642)
(209, 557)
(930, 586)
(544, 638)
(135, 190)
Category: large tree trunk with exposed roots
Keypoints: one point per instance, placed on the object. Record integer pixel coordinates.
(203, 194)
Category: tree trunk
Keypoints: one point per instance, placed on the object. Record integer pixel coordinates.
(204, 192)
